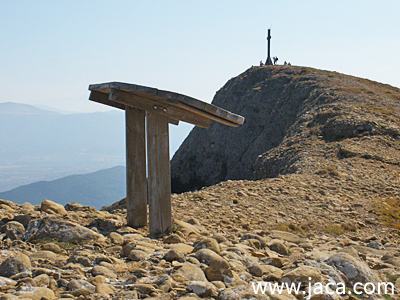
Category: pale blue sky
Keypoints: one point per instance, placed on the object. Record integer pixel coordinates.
(52, 50)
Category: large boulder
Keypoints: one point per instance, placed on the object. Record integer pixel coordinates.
(206, 243)
(36, 293)
(201, 288)
(52, 207)
(60, 229)
(278, 246)
(354, 269)
(191, 272)
(107, 273)
(16, 263)
(43, 254)
(302, 275)
(74, 285)
(15, 230)
(212, 259)
(217, 268)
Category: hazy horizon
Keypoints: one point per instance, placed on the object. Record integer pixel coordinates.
(52, 51)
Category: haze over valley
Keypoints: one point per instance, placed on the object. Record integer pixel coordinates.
(38, 144)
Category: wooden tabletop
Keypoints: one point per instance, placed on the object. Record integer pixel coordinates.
(176, 106)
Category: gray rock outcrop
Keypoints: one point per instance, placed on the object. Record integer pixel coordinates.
(292, 115)
(64, 231)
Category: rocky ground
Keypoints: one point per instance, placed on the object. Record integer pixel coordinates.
(326, 207)
(325, 225)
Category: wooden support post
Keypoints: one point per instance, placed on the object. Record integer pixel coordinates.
(159, 189)
(159, 107)
(136, 180)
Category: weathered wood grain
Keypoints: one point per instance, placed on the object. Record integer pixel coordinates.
(103, 99)
(166, 110)
(136, 179)
(160, 95)
(159, 190)
(201, 113)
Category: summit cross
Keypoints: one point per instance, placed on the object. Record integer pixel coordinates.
(269, 61)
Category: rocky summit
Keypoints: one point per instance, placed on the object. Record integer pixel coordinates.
(295, 117)
(322, 208)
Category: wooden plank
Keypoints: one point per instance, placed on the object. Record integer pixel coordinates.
(205, 107)
(166, 110)
(201, 113)
(103, 99)
(156, 94)
(136, 179)
(159, 191)
(173, 121)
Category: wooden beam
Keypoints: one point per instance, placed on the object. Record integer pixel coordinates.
(173, 121)
(159, 191)
(156, 107)
(202, 113)
(160, 95)
(136, 179)
(103, 99)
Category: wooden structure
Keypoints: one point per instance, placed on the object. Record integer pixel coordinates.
(148, 111)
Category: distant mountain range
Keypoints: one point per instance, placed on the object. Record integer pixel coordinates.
(18, 109)
(38, 144)
(41, 148)
(44, 144)
(96, 189)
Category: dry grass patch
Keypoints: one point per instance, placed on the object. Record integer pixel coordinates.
(380, 110)
(289, 227)
(388, 210)
(328, 170)
(63, 245)
(335, 229)
(355, 90)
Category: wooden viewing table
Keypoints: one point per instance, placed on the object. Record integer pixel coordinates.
(159, 108)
